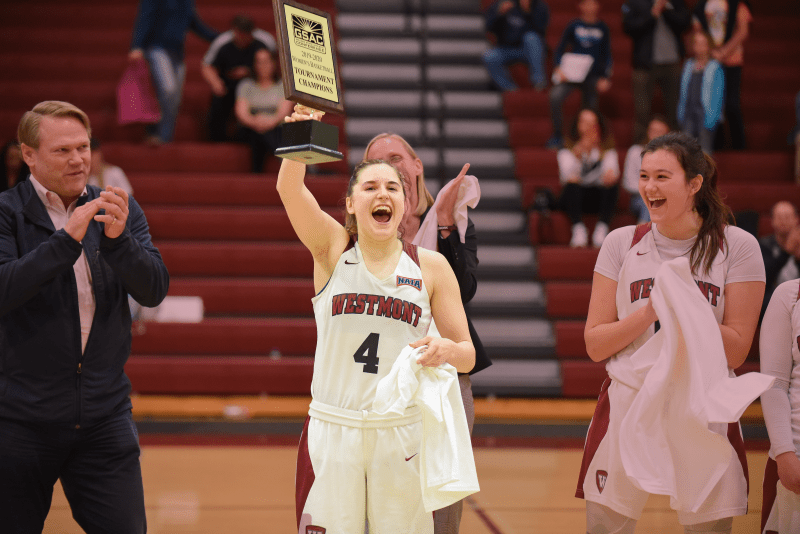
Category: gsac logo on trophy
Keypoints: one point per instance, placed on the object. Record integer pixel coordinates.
(310, 78)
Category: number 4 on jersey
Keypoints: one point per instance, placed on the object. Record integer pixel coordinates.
(367, 354)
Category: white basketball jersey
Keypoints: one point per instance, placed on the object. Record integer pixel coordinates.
(794, 380)
(362, 325)
(636, 279)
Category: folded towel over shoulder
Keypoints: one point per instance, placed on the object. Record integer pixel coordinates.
(666, 445)
(447, 466)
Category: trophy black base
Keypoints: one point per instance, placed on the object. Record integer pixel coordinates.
(309, 142)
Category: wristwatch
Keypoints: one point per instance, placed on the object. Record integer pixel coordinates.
(452, 228)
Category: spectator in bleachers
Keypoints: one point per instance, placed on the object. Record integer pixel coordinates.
(778, 249)
(13, 167)
(519, 27)
(260, 108)
(461, 254)
(657, 127)
(158, 36)
(728, 24)
(585, 35)
(589, 171)
(103, 174)
(655, 26)
(702, 93)
(224, 66)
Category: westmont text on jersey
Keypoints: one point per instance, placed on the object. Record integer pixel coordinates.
(378, 305)
(640, 289)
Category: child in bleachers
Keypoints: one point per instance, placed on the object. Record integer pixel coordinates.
(657, 127)
(702, 93)
(589, 171)
(585, 35)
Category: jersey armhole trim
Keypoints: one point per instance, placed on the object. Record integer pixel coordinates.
(640, 232)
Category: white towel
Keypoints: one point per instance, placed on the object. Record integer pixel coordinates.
(784, 518)
(447, 466)
(468, 195)
(665, 443)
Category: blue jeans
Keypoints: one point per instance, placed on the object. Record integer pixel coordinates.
(169, 72)
(693, 125)
(98, 467)
(531, 52)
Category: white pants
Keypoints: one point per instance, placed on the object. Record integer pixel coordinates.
(361, 467)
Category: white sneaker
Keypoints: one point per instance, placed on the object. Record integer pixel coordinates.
(580, 236)
(599, 234)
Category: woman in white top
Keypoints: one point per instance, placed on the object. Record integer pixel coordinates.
(780, 357)
(260, 108)
(678, 183)
(375, 296)
(657, 127)
(589, 171)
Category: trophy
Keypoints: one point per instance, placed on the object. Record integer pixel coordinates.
(310, 78)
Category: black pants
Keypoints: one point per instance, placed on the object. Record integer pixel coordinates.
(733, 109)
(668, 79)
(219, 113)
(98, 467)
(261, 145)
(577, 199)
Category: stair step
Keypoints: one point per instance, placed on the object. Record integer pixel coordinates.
(410, 49)
(485, 163)
(414, 6)
(515, 337)
(235, 336)
(409, 76)
(231, 224)
(248, 296)
(389, 24)
(499, 221)
(518, 377)
(507, 297)
(478, 133)
(226, 189)
(409, 103)
(271, 259)
(220, 375)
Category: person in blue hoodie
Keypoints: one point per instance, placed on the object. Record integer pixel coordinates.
(158, 36)
(702, 93)
(585, 35)
(519, 26)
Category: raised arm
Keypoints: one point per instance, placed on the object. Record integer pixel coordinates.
(322, 235)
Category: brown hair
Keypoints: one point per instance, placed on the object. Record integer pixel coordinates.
(707, 201)
(350, 223)
(425, 199)
(606, 135)
(28, 130)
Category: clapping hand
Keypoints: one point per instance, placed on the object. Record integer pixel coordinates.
(447, 203)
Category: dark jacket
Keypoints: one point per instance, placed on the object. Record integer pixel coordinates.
(164, 23)
(463, 258)
(639, 23)
(44, 378)
(594, 39)
(512, 26)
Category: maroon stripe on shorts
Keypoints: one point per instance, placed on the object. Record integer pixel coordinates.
(597, 431)
(770, 491)
(735, 437)
(304, 478)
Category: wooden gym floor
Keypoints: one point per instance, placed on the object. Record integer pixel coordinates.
(201, 485)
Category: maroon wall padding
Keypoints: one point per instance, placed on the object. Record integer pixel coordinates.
(751, 166)
(568, 299)
(220, 258)
(220, 375)
(569, 339)
(582, 379)
(234, 336)
(561, 263)
(248, 296)
(228, 189)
